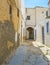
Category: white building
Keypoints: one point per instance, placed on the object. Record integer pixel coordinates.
(41, 14)
(30, 22)
(35, 23)
(47, 27)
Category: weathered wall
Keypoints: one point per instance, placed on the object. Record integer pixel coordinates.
(8, 28)
(4, 10)
(7, 40)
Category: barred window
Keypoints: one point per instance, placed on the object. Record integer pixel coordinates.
(28, 17)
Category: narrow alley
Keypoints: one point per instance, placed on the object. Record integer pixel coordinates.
(29, 54)
(24, 32)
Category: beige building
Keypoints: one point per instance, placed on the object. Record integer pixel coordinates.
(22, 21)
(35, 23)
(11, 17)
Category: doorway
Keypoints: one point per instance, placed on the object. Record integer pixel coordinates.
(43, 35)
(30, 33)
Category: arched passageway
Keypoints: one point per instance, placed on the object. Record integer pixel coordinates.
(30, 33)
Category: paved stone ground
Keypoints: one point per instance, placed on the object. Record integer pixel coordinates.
(28, 54)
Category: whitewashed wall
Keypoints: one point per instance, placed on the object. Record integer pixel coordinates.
(47, 35)
(37, 17)
(30, 12)
(40, 19)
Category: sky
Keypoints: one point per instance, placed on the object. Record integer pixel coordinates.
(33, 3)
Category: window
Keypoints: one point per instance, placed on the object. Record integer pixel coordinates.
(10, 10)
(47, 27)
(17, 12)
(42, 12)
(28, 17)
(46, 13)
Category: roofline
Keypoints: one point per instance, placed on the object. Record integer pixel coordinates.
(36, 7)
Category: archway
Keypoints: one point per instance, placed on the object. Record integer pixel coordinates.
(30, 33)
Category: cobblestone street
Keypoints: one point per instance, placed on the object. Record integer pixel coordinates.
(29, 54)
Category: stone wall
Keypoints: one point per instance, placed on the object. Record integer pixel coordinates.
(7, 39)
(9, 25)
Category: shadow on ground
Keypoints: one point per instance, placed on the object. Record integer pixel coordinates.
(27, 54)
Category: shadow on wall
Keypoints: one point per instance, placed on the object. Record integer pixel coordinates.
(7, 39)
